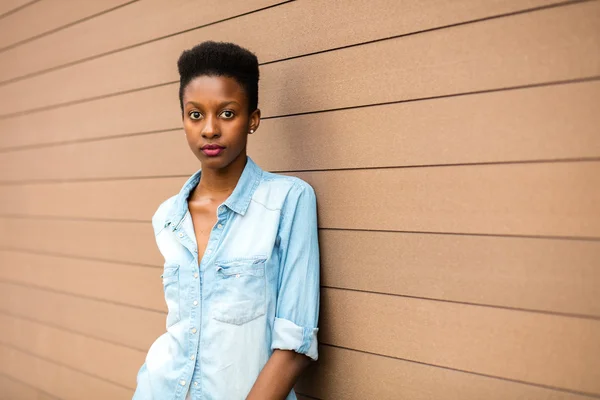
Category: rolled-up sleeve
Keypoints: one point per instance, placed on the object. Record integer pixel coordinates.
(297, 312)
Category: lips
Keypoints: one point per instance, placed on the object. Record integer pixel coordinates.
(211, 147)
(212, 150)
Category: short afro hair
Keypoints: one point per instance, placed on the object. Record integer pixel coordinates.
(220, 59)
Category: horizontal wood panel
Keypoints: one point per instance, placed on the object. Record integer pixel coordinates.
(554, 199)
(542, 123)
(16, 390)
(147, 110)
(104, 240)
(350, 375)
(135, 286)
(296, 21)
(517, 345)
(538, 348)
(7, 6)
(48, 15)
(56, 380)
(441, 62)
(115, 201)
(138, 22)
(12, 389)
(538, 274)
(160, 108)
(519, 56)
(118, 324)
(81, 353)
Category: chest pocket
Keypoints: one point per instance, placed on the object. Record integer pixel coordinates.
(170, 279)
(240, 291)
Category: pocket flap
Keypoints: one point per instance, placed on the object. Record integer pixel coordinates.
(170, 271)
(248, 269)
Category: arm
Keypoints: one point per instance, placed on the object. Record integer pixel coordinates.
(279, 375)
(294, 337)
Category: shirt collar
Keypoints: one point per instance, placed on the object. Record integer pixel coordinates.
(238, 201)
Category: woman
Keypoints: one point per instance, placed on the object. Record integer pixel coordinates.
(241, 273)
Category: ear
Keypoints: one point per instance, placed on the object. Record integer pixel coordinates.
(254, 121)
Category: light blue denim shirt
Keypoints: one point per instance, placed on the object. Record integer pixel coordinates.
(256, 289)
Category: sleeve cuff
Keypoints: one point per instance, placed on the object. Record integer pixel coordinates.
(289, 336)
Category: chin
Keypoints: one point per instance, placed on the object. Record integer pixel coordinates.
(215, 162)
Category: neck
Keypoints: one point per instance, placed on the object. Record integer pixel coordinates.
(220, 182)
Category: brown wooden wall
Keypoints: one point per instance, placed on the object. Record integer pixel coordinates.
(454, 147)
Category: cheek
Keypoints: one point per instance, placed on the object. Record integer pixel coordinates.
(187, 124)
(239, 125)
(191, 128)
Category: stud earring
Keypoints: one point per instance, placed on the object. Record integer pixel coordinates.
(251, 130)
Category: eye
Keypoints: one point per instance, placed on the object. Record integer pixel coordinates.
(195, 115)
(227, 114)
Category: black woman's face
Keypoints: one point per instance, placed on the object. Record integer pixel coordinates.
(215, 112)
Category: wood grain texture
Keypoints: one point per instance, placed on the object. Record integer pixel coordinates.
(48, 15)
(368, 20)
(56, 380)
(147, 110)
(541, 199)
(337, 79)
(553, 199)
(470, 271)
(136, 286)
(7, 6)
(131, 327)
(505, 343)
(544, 349)
(547, 123)
(12, 389)
(441, 62)
(135, 23)
(16, 390)
(95, 240)
(342, 374)
(78, 352)
(538, 274)
(548, 275)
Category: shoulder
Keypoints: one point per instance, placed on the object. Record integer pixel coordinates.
(287, 182)
(279, 190)
(160, 215)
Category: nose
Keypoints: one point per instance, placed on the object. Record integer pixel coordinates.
(211, 127)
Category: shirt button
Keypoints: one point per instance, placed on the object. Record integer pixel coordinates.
(237, 275)
(192, 357)
(195, 383)
(182, 382)
(195, 302)
(208, 251)
(194, 330)
(219, 226)
(196, 275)
(180, 234)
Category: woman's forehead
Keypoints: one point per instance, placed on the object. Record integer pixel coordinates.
(209, 87)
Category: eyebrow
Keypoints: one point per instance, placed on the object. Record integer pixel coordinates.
(220, 105)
